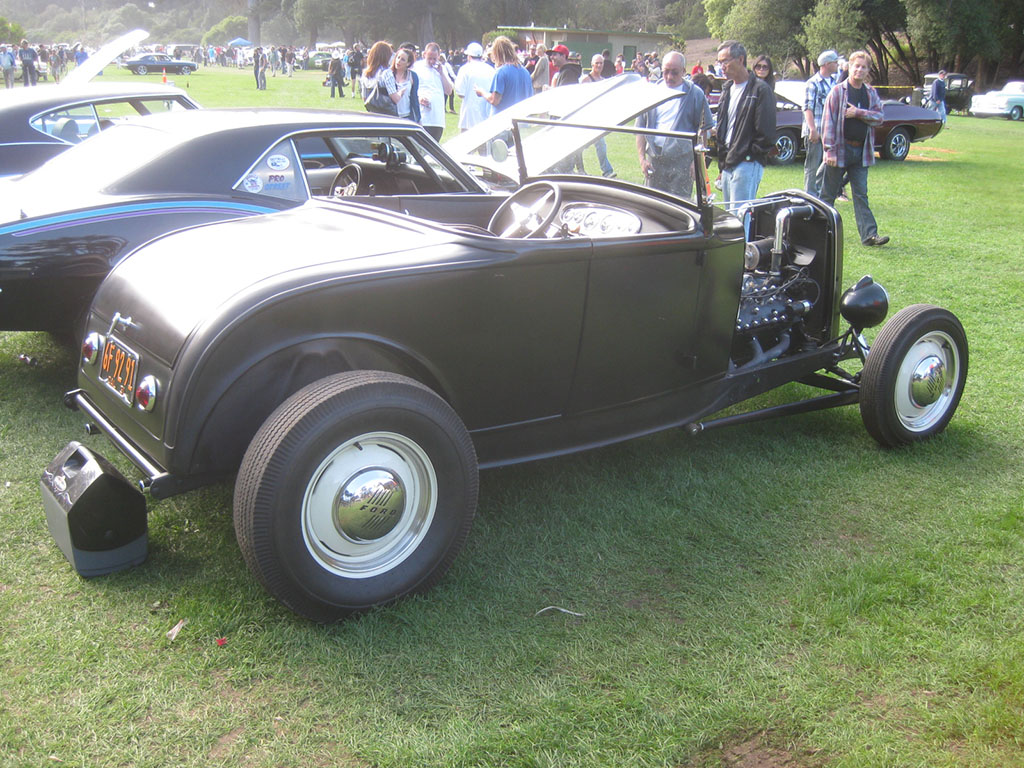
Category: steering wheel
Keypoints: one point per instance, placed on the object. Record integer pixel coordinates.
(528, 212)
(346, 182)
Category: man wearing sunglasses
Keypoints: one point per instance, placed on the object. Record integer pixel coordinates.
(746, 126)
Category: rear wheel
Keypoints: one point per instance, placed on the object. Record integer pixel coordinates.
(786, 144)
(358, 489)
(914, 375)
(1017, 113)
(186, 70)
(897, 145)
(141, 69)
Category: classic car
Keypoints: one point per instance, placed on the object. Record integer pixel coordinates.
(319, 60)
(39, 123)
(1006, 102)
(959, 90)
(159, 63)
(65, 225)
(904, 123)
(355, 361)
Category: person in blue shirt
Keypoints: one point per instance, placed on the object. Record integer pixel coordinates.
(511, 83)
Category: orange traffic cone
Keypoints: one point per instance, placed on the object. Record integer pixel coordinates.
(165, 75)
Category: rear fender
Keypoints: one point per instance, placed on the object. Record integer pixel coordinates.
(227, 408)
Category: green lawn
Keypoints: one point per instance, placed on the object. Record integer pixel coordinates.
(778, 594)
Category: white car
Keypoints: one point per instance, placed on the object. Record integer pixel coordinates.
(1009, 102)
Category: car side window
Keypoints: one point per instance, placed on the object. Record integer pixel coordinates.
(278, 173)
(70, 124)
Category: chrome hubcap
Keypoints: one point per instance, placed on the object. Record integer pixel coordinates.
(369, 505)
(900, 145)
(926, 381)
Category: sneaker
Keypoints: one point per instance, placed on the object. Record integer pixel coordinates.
(610, 175)
(877, 240)
(843, 198)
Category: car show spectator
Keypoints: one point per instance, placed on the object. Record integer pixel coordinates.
(541, 74)
(938, 95)
(7, 64)
(746, 126)
(355, 65)
(596, 75)
(511, 82)
(667, 163)
(434, 87)
(473, 79)
(407, 85)
(378, 74)
(28, 58)
(852, 110)
(335, 75)
(817, 89)
(764, 70)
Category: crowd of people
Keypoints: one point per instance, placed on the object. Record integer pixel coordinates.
(28, 64)
(841, 109)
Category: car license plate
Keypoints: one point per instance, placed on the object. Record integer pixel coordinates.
(118, 368)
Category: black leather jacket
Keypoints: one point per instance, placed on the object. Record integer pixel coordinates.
(754, 134)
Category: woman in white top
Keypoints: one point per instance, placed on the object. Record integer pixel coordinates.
(378, 72)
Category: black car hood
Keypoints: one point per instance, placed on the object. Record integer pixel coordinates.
(200, 275)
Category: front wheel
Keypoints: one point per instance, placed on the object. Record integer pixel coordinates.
(357, 490)
(186, 70)
(141, 70)
(914, 375)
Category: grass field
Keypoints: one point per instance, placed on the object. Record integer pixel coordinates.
(779, 594)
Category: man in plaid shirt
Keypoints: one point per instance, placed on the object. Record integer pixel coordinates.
(852, 110)
(814, 103)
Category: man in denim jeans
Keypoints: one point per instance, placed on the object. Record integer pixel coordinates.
(852, 110)
(746, 126)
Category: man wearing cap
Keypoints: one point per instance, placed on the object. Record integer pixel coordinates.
(817, 89)
(938, 95)
(563, 71)
(474, 74)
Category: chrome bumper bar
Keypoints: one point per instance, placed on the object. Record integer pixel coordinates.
(76, 399)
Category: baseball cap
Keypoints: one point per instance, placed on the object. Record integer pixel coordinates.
(559, 49)
(475, 51)
(827, 57)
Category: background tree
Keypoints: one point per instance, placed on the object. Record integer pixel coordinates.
(226, 29)
(831, 25)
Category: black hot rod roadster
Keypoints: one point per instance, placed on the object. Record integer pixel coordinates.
(355, 360)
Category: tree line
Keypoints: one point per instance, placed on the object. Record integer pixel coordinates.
(983, 38)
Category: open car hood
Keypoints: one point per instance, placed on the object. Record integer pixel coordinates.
(92, 66)
(610, 102)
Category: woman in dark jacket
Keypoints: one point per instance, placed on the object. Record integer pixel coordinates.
(408, 83)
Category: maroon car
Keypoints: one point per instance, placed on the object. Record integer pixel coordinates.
(904, 123)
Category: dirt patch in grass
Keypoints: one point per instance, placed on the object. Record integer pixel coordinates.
(757, 752)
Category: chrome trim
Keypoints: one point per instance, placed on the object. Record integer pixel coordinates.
(151, 470)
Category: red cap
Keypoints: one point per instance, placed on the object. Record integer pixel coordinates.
(559, 49)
